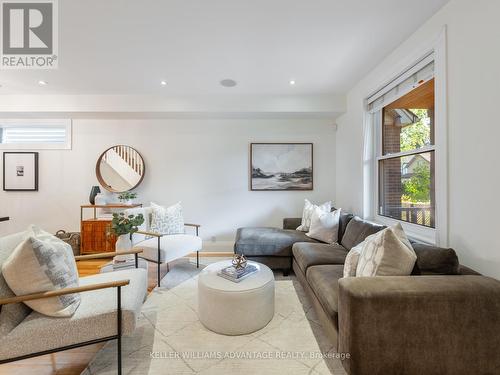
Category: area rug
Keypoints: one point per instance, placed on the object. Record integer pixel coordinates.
(170, 339)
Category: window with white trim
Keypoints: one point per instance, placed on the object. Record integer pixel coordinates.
(403, 162)
(35, 134)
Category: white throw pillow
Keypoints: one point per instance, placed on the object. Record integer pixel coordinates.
(42, 264)
(308, 211)
(324, 225)
(387, 253)
(167, 220)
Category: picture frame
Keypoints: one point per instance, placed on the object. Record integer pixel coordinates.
(20, 171)
(281, 166)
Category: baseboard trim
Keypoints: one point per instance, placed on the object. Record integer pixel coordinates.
(217, 247)
(213, 254)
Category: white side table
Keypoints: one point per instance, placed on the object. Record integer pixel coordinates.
(235, 308)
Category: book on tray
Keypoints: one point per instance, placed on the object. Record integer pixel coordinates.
(124, 264)
(236, 275)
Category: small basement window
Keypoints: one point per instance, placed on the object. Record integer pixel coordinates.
(35, 134)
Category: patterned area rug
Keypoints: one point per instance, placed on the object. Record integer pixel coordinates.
(169, 338)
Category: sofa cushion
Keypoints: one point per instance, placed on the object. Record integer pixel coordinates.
(357, 230)
(259, 241)
(345, 218)
(95, 318)
(291, 222)
(310, 254)
(323, 280)
(433, 260)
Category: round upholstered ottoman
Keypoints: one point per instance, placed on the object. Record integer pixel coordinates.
(233, 308)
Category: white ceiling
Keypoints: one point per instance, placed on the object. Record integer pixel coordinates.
(126, 47)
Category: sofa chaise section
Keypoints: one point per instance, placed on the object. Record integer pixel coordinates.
(271, 246)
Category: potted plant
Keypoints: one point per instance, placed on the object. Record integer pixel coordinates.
(127, 197)
(123, 227)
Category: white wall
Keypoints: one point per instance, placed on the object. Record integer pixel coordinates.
(474, 134)
(203, 163)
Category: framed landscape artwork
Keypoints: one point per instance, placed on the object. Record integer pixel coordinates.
(20, 171)
(281, 166)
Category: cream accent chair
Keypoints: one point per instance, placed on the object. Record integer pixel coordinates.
(109, 308)
(164, 248)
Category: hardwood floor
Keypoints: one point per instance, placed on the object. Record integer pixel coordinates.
(71, 362)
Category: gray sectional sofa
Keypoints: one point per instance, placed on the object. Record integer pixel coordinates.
(443, 319)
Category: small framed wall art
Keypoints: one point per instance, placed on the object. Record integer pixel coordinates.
(281, 166)
(20, 171)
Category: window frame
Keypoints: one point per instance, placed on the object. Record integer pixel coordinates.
(420, 232)
(373, 152)
(67, 123)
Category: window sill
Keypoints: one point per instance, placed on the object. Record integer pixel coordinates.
(35, 146)
(413, 231)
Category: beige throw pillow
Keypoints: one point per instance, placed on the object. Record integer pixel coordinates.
(352, 258)
(324, 225)
(40, 265)
(387, 253)
(308, 211)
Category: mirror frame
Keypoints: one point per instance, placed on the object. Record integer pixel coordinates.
(101, 180)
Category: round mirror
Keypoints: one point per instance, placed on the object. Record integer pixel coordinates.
(120, 168)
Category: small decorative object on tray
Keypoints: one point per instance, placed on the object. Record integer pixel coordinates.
(237, 274)
(239, 261)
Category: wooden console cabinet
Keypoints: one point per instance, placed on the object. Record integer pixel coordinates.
(96, 236)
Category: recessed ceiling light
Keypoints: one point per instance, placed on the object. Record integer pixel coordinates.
(42, 83)
(163, 83)
(292, 82)
(228, 82)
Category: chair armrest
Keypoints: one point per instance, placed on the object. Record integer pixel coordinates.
(291, 222)
(152, 234)
(107, 255)
(196, 226)
(422, 323)
(62, 292)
